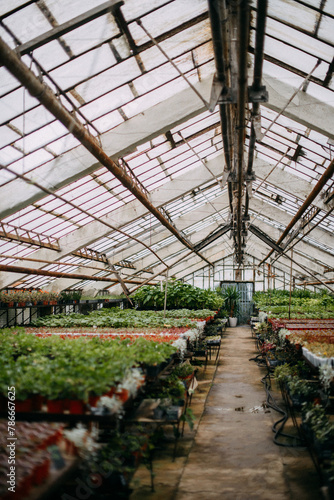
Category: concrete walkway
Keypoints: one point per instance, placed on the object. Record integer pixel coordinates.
(233, 456)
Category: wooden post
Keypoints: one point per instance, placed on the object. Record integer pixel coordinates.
(165, 303)
(290, 284)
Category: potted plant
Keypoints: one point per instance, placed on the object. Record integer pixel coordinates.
(231, 296)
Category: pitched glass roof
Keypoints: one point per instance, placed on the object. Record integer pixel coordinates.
(108, 72)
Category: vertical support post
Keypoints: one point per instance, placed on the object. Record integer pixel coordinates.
(165, 303)
(290, 284)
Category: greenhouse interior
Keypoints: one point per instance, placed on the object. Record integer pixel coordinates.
(166, 249)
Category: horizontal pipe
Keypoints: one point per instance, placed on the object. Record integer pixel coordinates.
(45, 96)
(57, 274)
(53, 262)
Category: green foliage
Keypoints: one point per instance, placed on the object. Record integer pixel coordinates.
(71, 368)
(189, 417)
(231, 296)
(119, 318)
(304, 304)
(171, 388)
(184, 370)
(69, 295)
(179, 295)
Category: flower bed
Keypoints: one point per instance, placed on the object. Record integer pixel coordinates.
(74, 368)
(79, 366)
(301, 324)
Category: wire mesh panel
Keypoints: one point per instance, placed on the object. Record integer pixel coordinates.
(246, 289)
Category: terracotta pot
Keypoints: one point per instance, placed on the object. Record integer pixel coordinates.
(111, 392)
(23, 406)
(66, 404)
(55, 405)
(93, 400)
(36, 402)
(77, 407)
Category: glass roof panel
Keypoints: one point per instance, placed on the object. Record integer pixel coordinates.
(91, 34)
(282, 74)
(299, 40)
(64, 11)
(133, 9)
(108, 121)
(5, 176)
(110, 79)
(167, 18)
(15, 103)
(8, 82)
(321, 93)
(83, 67)
(293, 13)
(24, 31)
(59, 56)
(9, 154)
(41, 137)
(31, 161)
(33, 120)
(63, 144)
(7, 136)
(108, 102)
(326, 28)
(292, 56)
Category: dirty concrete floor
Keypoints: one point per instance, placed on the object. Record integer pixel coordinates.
(231, 455)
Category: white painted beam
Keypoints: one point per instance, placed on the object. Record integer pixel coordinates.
(305, 109)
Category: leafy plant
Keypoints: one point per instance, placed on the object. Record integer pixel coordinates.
(231, 296)
(183, 370)
(179, 295)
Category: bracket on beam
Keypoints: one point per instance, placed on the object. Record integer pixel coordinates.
(229, 96)
(258, 95)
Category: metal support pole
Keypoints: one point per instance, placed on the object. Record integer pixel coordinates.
(290, 284)
(166, 287)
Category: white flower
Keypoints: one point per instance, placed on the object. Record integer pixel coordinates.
(113, 404)
(262, 316)
(191, 335)
(282, 334)
(82, 439)
(132, 381)
(326, 375)
(181, 345)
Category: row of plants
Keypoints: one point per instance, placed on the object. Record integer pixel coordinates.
(308, 389)
(58, 368)
(119, 318)
(33, 297)
(304, 304)
(179, 295)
